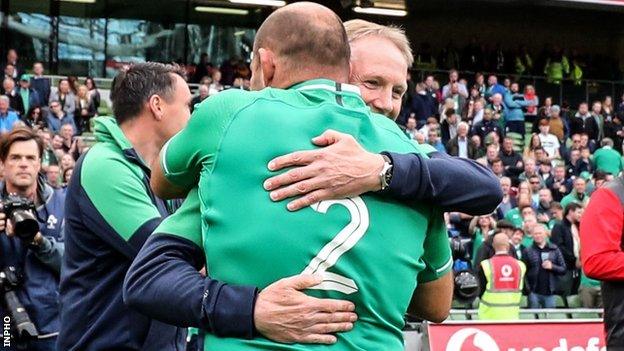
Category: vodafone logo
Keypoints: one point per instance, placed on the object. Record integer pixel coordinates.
(471, 339)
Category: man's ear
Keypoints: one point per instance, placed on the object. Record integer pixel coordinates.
(267, 65)
(155, 105)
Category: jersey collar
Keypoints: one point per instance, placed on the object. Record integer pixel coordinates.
(326, 84)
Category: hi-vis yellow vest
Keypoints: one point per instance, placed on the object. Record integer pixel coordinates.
(501, 299)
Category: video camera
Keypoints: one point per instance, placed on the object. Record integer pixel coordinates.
(22, 214)
(9, 281)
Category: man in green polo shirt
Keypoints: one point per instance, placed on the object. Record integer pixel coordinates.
(362, 253)
(607, 159)
(578, 194)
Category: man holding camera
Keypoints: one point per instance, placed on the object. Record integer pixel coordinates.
(33, 216)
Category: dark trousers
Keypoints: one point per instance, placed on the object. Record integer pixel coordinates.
(515, 127)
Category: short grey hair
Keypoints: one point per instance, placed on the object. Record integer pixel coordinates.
(357, 29)
(5, 99)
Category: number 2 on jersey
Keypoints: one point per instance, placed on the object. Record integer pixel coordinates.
(340, 244)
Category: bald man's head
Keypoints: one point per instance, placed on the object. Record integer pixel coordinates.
(500, 242)
(305, 36)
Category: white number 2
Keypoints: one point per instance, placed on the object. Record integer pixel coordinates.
(342, 242)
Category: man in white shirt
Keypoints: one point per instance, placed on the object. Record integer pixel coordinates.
(550, 143)
(454, 78)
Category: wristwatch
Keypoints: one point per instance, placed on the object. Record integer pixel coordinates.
(385, 176)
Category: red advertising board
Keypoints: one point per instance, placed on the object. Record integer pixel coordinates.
(533, 336)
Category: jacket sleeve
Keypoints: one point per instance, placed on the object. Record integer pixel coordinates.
(455, 184)
(164, 283)
(601, 237)
(50, 253)
(558, 239)
(559, 266)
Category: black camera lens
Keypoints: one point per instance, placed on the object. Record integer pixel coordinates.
(25, 225)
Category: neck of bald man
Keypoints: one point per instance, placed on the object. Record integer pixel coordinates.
(288, 75)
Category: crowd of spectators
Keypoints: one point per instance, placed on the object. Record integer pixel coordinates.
(549, 160)
(60, 115)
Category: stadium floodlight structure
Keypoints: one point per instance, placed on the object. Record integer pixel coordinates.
(81, 1)
(380, 11)
(222, 10)
(273, 3)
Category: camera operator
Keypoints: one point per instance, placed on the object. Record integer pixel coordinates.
(35, 253)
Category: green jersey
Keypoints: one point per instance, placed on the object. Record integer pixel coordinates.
(369, 249)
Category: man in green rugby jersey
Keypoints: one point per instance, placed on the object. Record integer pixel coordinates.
(372, 260)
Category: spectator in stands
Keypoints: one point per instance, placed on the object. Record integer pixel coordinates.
(30, 98)
(461, 145)
(566, 236)
(514, 103)
(216, 85)
(474, 111)
(584, 122)
(511, 159)
(531, 112)
(576, 165)
(498, 107)
(459, 101)
(94, 93)
(498, 168)
(487, 125)
(544, 111)
(586, 159)
(48, 158)
(508, 201)
(530, 169)
(67, 132)
(549, 141)
(543, 208)
(67, 161)
(8, 118)
(613, 130)
(432, 123)
(11, 60)
(607, 108)
(202, 94)
(480, 229)
(557, 66)
(578, 194)
(535, 181)
(534, 143)
(494, 88)
(40, 83)
(545, 170)
(460, 89)
(15, 100)
(558, 184)
(53, 176)
(599, 118)
(65, 97)
(491, 154)
(558, 126)
(67, 173)
(608, 160)
(73, 84)
(449, 126)
(433, 139)
(85, 108)
(544, 263)
(501, 279)
(34, 118)
(480, 84)
(58, 117)
(516, 241)
(410, 128)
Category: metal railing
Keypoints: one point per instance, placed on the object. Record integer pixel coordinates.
(537, 313)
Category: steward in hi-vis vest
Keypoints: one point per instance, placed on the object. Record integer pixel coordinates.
(502, 280)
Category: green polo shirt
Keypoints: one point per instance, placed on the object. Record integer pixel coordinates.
(368, 248)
